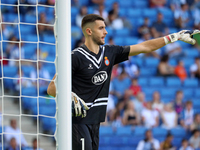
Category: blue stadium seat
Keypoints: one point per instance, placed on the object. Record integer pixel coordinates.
(122, 12)
(28, 102)
(12, 18)
(9, 71)
(116, 141)
(119, 40)
(168, 93)
(42, 9)
(141, 4)
(188, 93)
(143, 81)
(144, 72)
(48, 123)
(173, 30)
(104, 140)
(196, 104)
(196, 92)
(173, 62)
(188, 61)
(49, 38)
(151, 62)
(122, 32)
(178, 132)
(134, 13)
(190, 82)
(159, 132)
(173, 82)
(137, 60)
(47, 110)
(31, 38)
(139, 131)
(8, 1)
(9, 83)
(125, 4)
(131, 40)
(30, 18)
(76, 32)
(177, 142)
(167, 13)
(31, 91)
(106, 130)
(126, 130)
(150, 13)
(191, 52)
(156, 81)
(27, 70)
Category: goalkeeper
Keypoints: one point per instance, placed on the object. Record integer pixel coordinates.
(91, 70)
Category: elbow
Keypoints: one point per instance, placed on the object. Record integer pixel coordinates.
(51, 92)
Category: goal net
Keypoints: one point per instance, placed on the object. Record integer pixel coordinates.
(27, 54)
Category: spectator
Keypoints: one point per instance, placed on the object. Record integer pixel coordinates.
(11, 46)
(160, 26)
(43, 73)
(157, 3)
(114, 21)
(149, 143)
(139, 102)
(169, 117)
(83, 11)
(195, 68)
(188, 115)
(115, 8)
(25, 83)
(42, 29)
(116, 116)
(13, 144)
(180, 71)
(185, 145)
(150, 117)
(35, 144)
(178, 102)
(157, 104)
(111, 41)
(101, 11)
(195, 139)
(39, 55)
(196, 124)
(176, 5)
(135, 88)
(167, 144)
(130, 116)
(131, 69)
(147, 36)
(144, 27)
(96, 2)
(120, 84)
(14, 132)
(164, 69)
(174, 50)
(80, 42)
(182, 16)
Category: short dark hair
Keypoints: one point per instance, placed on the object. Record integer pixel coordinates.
(90, 18)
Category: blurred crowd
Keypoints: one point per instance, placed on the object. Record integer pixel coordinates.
(128, 105)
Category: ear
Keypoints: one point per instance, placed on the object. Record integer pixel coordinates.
(88, 31)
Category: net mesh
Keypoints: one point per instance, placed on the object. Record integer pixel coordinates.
(27, 66)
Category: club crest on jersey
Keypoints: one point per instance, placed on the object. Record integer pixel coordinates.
(99, 78)
(106, 61)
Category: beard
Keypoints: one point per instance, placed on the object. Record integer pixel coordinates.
(98, 40)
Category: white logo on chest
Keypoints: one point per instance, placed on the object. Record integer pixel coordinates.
(90, 66)
(99, 78)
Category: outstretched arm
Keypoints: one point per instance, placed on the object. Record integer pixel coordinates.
(152, 45)
(52, 87)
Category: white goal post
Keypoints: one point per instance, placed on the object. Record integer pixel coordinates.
(63, 69)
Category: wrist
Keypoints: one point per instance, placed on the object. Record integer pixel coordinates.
(171, 38)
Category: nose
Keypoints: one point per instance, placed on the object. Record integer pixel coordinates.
(106, 32)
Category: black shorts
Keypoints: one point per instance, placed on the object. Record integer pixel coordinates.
(87, 135)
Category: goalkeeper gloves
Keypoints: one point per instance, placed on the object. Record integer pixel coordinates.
(184, 35)
(78, 106)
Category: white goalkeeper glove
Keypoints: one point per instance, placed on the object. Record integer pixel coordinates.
(184, 35)
(78, 106)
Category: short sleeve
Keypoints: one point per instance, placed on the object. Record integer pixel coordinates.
(75, 62)
(121, 53)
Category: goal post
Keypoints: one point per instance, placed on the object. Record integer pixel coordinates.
(63, 69)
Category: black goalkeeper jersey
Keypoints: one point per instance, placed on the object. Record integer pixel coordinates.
(91, 78)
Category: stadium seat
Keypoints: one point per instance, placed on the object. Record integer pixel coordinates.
(188, 61)
(136, 60)
(49, 39)
(76, 32)
(27, 70)
(29, 102)
(30, 18)
(188, 93)
(151, 62)
(48, 123)
(122, 12)
(106, 130)
(126, 130)
(167, 13)
(125, 4)
(131, 40)
(168, 93)
(190, 83)
(143, 81)
(173, 82)
(191, 52)
(122, 32)
(150, 13)
(173, 62)
(13, 18)
(104, 140)
(196, 92)
(144, 72)
(117, 141)
(9, 71)
(139, 131)
(8, 1)
(30, 91)
(47, 110)
(196, 104)
(134, 13)
(178, 132)
(119, 40)
(156, 81)
(159, 132)
(140, 4)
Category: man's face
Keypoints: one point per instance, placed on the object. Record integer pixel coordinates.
(99, 32)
